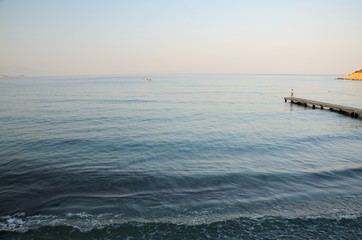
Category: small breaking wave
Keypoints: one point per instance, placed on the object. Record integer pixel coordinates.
(112, 226)
(85, 222)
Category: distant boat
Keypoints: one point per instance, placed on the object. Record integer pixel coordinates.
(147, 79)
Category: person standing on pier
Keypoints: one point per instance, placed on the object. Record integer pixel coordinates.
(292, 93)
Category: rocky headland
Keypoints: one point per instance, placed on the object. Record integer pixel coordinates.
(357, 75)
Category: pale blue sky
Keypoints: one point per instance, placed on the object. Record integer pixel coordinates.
(65, 37)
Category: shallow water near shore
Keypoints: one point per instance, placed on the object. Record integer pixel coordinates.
(179, 157)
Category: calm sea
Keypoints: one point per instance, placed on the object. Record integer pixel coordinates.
(179, 157)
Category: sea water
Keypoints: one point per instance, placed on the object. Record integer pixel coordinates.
(179, 157)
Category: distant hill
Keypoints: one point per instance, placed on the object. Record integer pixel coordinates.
(357, 75)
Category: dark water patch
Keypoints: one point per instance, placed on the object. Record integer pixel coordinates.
(31, 191)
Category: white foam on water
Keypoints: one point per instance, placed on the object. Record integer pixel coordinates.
(85, 222)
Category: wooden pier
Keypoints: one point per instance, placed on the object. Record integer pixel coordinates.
(351, 111)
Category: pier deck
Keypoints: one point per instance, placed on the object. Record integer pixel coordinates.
(351, 111)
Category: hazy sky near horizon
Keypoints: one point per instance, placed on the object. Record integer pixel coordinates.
(65, 37)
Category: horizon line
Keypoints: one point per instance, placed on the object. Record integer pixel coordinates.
(150, 74)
